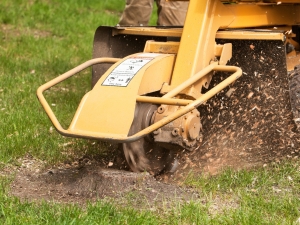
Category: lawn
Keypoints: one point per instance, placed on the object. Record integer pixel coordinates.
(40, 40)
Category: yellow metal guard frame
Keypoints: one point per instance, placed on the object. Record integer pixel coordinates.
(168, 99)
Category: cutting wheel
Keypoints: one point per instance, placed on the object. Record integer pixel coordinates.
(145, 154)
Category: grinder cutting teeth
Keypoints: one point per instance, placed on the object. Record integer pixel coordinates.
(156, 152)
(145, 154)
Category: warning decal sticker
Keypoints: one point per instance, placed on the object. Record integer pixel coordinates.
(123, 73)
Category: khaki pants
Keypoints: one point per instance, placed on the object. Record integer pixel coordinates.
(138, 12)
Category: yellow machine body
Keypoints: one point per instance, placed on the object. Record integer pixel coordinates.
(117, 89)
(173, 63)
(171, 69)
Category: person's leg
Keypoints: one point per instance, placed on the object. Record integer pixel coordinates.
(136, 13)
(171, 13)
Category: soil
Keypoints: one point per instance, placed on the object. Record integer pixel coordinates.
(249, 124)
(88, 180)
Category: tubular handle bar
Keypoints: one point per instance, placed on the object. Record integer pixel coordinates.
(167, 99)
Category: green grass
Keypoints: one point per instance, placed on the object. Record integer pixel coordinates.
(264, 196)
(40, 40)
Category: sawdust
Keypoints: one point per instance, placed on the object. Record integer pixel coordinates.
(253, 125)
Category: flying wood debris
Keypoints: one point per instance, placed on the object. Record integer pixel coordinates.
(254, 125)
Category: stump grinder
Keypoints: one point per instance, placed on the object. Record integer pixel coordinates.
(148, 82)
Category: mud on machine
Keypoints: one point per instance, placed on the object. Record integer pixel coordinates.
(160, 75)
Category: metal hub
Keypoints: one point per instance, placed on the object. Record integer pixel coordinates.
(145, 154)
(182, 133)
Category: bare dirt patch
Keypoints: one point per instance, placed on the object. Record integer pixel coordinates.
(10, 31)
(88, 180)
